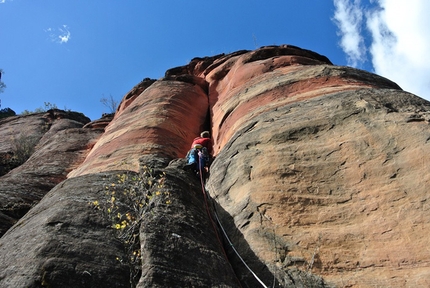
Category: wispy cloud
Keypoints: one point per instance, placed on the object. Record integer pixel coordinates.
(59, 35)
(399, 40)
(349, 18)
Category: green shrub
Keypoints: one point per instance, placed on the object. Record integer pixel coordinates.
(23, 147)
(6, 112)
(128, 197)
(47, 106)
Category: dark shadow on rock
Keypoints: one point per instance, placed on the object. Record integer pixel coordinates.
(242, 273)
(291, 277)
(64, 241)
(178, 242)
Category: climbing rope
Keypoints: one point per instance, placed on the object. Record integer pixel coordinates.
(207, 206)
(222, 228)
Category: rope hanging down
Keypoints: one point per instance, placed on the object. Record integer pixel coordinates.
(222, 228)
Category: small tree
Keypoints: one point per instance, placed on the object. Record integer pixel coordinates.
(110, 103)
(49, 106)
(2, 85)
(6, 112)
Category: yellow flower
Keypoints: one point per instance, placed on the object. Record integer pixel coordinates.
(117, 226)
(157, 193)
(112, 199)
(109, 210)
(96, 203)
(118, 215)
(168, 202)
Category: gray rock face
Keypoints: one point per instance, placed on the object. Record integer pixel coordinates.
(55, 143)
(64, 242)
(68, 241)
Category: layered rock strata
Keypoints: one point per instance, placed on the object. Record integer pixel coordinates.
(319, 180)
(54, 143)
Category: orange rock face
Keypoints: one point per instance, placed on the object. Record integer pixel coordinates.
(319, 169)
(323, 168)
(159, 121)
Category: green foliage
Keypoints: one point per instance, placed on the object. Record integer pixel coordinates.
(47, 106)
(27, 112)
(23, 147)
(6, 112)
(128, 197)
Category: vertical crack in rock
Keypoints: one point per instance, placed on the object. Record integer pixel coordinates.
(319, 180)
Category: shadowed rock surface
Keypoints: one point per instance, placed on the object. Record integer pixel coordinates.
(55, 145)
(319, 180)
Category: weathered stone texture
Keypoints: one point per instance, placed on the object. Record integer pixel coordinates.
(345, 193)
(319, 180)
(323, 168)
(59, 144)
(161, 121)
(64, 242)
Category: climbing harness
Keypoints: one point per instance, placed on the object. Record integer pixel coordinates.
(222, 228)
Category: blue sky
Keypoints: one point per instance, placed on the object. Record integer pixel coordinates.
(73, 53)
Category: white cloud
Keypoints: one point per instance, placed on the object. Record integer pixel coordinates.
(349, 17)
(399, 43)
(64, 34)
(60, 35)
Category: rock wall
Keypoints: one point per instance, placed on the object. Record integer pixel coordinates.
(55, 144)
(319, 180)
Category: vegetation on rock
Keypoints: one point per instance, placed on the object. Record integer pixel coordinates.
(128, 197)
(6, 112)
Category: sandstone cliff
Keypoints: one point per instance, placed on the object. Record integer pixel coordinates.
(319, 180)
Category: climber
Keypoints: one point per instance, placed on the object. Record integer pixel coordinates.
(200, 153)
